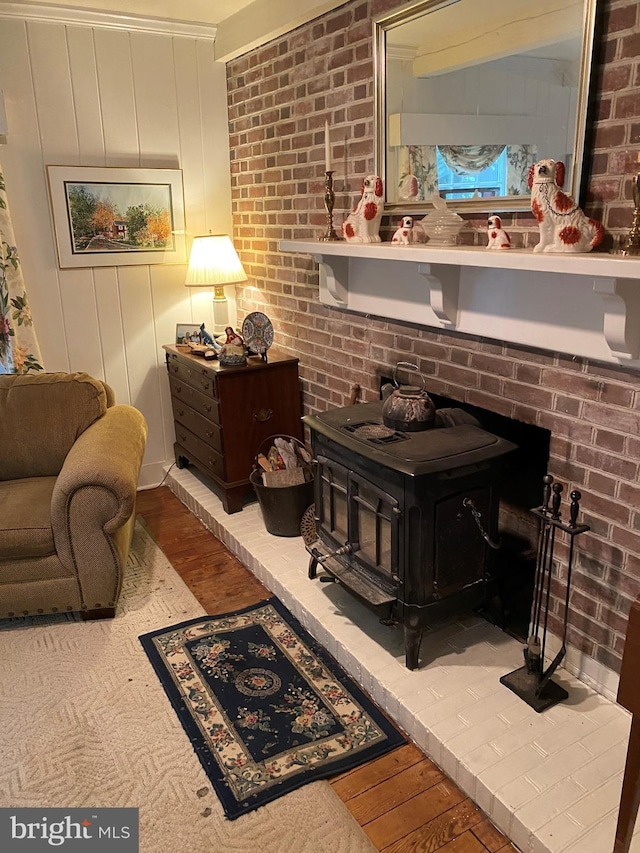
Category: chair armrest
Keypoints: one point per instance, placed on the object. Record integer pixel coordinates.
(93, 504)
(97, 485)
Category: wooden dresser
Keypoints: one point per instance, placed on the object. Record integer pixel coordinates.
(223, 414)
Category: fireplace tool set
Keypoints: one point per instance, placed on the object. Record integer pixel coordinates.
(531, 682)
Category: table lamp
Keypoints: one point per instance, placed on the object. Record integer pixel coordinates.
(214, 263)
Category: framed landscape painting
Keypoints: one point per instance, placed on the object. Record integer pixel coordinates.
(104, 217)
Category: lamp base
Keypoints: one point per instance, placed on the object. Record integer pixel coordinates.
(220, 315)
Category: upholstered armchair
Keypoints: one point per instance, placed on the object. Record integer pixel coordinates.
(69, 465)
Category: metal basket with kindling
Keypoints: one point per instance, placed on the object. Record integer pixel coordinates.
(283, 479)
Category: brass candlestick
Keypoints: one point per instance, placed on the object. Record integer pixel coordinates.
(329, 199)
(632, 243)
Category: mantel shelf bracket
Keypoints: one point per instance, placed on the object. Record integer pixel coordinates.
(443, 281)
(621, 322)
(444, 288)
(334, 279)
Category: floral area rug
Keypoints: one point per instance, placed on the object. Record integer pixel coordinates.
(266, 707)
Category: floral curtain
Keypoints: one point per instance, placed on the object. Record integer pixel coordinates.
(519, 158)
(19, 350)
(462, 159)
(418, 178)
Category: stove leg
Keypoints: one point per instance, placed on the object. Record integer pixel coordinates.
(412, 638)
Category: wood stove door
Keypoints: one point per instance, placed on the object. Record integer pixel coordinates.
(352, 510)
(374, 518)
(460, 551)
(331, 502)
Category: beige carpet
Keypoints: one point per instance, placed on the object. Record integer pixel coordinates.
(84, 722)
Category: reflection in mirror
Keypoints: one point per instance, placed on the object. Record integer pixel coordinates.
(468, 97)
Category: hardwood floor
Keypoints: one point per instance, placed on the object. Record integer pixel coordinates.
(403, 801)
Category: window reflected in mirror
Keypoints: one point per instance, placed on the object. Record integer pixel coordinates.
(468, 99)
(466, 171)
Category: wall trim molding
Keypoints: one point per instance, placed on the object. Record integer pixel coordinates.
(106, 20)
(402, 53)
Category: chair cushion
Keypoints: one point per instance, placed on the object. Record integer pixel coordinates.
(41, 416)
(25, 518)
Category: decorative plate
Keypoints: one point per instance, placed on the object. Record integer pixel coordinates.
(257, 332)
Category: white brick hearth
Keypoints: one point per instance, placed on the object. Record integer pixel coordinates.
(551, 782)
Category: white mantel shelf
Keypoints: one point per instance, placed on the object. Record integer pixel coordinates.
(585, 305)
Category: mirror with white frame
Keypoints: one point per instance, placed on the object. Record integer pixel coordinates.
(469, 96)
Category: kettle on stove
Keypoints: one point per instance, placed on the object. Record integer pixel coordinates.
(407, 408)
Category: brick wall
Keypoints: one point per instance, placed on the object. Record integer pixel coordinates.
(279, 98)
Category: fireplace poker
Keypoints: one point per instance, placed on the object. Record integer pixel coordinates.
(532, 651)
(557, 489)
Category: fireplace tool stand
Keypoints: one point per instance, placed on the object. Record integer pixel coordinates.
(531, 682)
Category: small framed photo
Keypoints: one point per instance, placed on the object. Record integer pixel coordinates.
(106, 217)
(187, 333)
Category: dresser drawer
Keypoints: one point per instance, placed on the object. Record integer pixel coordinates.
(203, 428)
(194, 446)
(207, 406)
(197, 377)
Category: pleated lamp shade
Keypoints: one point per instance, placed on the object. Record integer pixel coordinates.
(214, 262)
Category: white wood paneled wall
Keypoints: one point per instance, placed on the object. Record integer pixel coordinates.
(87, 96)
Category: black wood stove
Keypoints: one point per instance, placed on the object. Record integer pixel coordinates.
(405, 520)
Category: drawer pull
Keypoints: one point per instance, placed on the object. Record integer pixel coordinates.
(175, 368)
(180, 413)
(209, 434)
(263, 415)
(206, 386)
(183, 438)
(178, 389)
(208, 408)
